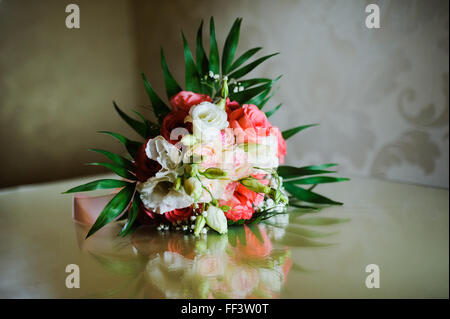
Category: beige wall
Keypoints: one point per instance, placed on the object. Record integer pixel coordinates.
(381, 96)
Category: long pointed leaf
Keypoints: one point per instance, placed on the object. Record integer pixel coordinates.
(171, 84)
(214, 65)
(286, 171)
(249, 67)
(291, 132)
(317, 180)
(243, 58)
(132, 215)
(152, 128)
(322, 166)
(159, 107)
(202, 59)
(192, 77)
(138, 126)
(272, 112)
(131, 146)
(266, 99)
(307, 196)
(119, 170)
(251, 82)
(119, 160)
(113, 209)
(98, 184)
(247, 96)
(231, 43)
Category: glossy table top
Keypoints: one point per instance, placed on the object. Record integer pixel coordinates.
(404, 229)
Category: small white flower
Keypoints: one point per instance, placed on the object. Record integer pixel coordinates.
(241, 88)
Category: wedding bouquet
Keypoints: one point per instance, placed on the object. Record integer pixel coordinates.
(212, 159)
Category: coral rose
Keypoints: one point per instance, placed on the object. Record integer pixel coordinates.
(242, 203)
(249, 123)
(184, 100)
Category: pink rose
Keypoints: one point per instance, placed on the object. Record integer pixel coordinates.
(184, 100)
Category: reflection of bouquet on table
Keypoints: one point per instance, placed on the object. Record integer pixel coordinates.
(213, 158)
(250, 261)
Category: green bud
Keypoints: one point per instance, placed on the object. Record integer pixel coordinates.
(200, 222)
(193, 188)
(191, 169)
(225, 208)
(224, 91)
(254, 185)
(215, 218)
(214, 173)
(177, 183)
(278, 196)
(189, 140)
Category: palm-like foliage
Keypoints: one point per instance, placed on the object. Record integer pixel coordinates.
(202, 75)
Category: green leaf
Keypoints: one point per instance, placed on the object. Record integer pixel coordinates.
(322, 166)
(138, 126)
(247, 96)
(286, 171)
(265, 99)
(231, 43)
(152, 129)
(113, 209)
(159, 107)
(249, 67)
(270, 113)
(131, 146)
(98, 184)
(308, 196)
(213, 49)
(202, 59)
(317, 180)
(132, 215)
(291, 132)
(119, 160)
(252, 82)
(119, 170)
(171, 84)
(243, 58)
(192, 78)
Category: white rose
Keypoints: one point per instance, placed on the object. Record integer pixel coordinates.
(207, 121)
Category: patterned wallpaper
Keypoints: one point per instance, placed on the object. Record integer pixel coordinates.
(381, 96)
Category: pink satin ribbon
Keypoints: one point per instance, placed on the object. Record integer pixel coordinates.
(85, 209)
